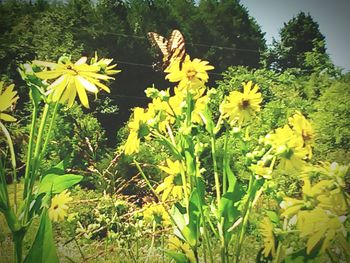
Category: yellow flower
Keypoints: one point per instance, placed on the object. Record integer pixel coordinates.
(241, 107)
(7, 99)
(172, 184)
(323, 194)
(303, 127)
(191, 75)
(156, 213)
(317, 225)
(266, 229)
(176, 244)
(335, 201)
(72, 78)
(58, 208)
(158, 109)
(289, 148)
(138, 129)
(104, 66)
(199, 108)
(261, 171)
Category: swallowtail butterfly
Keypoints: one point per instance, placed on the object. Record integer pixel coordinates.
(171, 49)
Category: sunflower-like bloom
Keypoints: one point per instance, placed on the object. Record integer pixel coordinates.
(58, 208)
(319, 225)
(289, 147)
(176, 244)
(172, 184)
(266, 229)
(191, 75)
(302, 126)
(321, 211)
(158, 109)
(199, 107)
(157, 213)
(241, 107)
(7, 98)
(70, 79)
(138, 129)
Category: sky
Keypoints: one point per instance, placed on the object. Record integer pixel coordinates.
(333, 17)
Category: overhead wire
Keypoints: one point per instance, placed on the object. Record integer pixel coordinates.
(142, 64)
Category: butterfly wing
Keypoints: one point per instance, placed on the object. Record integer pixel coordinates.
(171, 49)
(160, 42)
(176, 47)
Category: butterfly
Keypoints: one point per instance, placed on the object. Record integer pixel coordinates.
(171, 49)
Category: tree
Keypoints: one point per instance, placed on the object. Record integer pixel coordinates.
(332, 120)
(230, 36)
(299, 36)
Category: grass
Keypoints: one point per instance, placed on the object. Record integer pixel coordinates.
(74, 248)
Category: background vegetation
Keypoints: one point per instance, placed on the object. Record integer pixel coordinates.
(295, 73)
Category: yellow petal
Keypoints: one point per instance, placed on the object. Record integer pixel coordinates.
(86, 84)
(52, 74)
(7, 117)
(82, 93)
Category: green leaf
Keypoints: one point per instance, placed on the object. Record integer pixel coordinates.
(43, 248)
(228, 210)
(190, 167)
(301, 256)
(35, 95)
(230, 177)
(274, 217)
(209, 124)
(178, 213)
(190, 233)
(57, 169)
(177, 256)
(57, 183)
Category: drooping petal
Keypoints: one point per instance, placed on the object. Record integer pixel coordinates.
(7, 117)
(82, 93)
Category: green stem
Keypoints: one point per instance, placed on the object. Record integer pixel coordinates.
(18, 243)
(33, 161)
(30, 151)
(216, 175)
(205, 232)
(146, 179)
(155, 193)
(279, 246)
(218, 124)
(38, 145)
(245, 218)
(184, 184)
(152, 241)
(17, 232)
(49, 131)
(13, 163)
(224, 162)
(189, 109)
(163, 254)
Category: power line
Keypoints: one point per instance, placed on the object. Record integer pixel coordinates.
(117, 61)
(150, 66)
(189, 43)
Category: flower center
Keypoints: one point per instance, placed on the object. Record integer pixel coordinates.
(74, 72)
(306, 136)
(55, 207)
(245, 103)
(191, 73)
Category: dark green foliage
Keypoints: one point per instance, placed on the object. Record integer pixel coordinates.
(332, 120)
(300, 35)
(282, 94)
(81, 136)
(220, 31)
